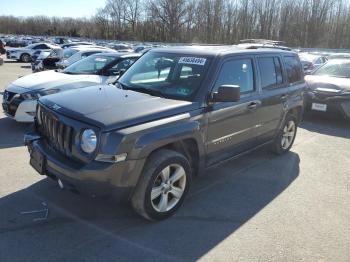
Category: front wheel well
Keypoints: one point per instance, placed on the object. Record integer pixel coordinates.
(297, 112)
(188, 148)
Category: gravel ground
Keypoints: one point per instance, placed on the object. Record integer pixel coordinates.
(257, 208)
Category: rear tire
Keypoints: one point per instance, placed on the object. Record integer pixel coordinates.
(25, 58)
(162, 186)
(286, 135)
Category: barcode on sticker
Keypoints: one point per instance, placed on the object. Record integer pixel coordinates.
(192, 61)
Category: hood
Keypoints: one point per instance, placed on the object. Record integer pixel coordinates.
(47, 80)
(329, 83)
(111, 108)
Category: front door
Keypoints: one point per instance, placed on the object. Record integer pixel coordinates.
(232, 126)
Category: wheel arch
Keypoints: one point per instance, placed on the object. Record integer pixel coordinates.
(187, 147)
(185, 138)
(297, 112)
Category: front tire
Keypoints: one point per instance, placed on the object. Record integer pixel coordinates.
(286, 136)
(163, 185)
(25, 58)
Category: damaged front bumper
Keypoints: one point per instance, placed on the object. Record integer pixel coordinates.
(94, 178)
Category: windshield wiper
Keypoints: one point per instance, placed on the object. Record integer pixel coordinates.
(151, 92)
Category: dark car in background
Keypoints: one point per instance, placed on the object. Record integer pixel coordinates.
(174, 113)
(329, 88)
(68, 45)
(311, 62)
(121, 47)
(2, 47)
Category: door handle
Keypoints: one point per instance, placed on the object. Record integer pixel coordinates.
(252, 105)
(284, 97)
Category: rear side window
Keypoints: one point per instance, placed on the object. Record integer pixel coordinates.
(271, 72)
(88, 54)
(293, 69)
(41, 46)
(237, 72)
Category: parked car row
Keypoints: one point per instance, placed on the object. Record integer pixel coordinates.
(141, 127)
(48, 56)
(20, 97)
(24, 54)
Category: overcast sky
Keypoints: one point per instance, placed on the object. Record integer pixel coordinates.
(61, 8)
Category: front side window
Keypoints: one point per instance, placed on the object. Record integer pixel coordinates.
(41, 46)
(175, 76)
(293, 69)
(237, 72)
(271, 72)
(90, 65)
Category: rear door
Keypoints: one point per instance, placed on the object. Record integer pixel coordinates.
(232, 126)
(274, 95)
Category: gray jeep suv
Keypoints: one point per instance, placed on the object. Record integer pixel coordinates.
(173, 114)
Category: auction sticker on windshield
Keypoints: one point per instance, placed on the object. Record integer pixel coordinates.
(192, 61)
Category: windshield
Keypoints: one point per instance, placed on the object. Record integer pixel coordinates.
(307, 58)
(31, 46)
(335, 69)
(174, 76)
(69, 52)
(90, 65)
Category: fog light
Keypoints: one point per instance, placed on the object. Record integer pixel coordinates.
(31, 113)
(111, 158)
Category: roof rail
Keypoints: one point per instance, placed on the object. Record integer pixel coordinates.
(262, 41)
(198, 44)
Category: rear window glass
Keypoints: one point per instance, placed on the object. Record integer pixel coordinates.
(271, 72)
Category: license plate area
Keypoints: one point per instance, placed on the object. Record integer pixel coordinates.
(319, 107)
(38, 161)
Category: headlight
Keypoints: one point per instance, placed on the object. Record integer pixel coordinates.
(34, 95)
(31, 96)
(88, 141)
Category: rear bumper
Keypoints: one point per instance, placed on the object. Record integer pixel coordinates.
(335, 104)
(94, 178)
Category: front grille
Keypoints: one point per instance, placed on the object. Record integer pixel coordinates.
(8, 96)
(323, 95)
(11, 102)
(57, 134)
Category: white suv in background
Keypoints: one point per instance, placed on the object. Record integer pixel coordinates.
(20, 97)
(24, 54)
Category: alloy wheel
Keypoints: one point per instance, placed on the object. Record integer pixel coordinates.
(168, 188)
(288, 134)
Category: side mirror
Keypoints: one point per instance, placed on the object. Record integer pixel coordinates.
(227, 93)
(121, 72)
